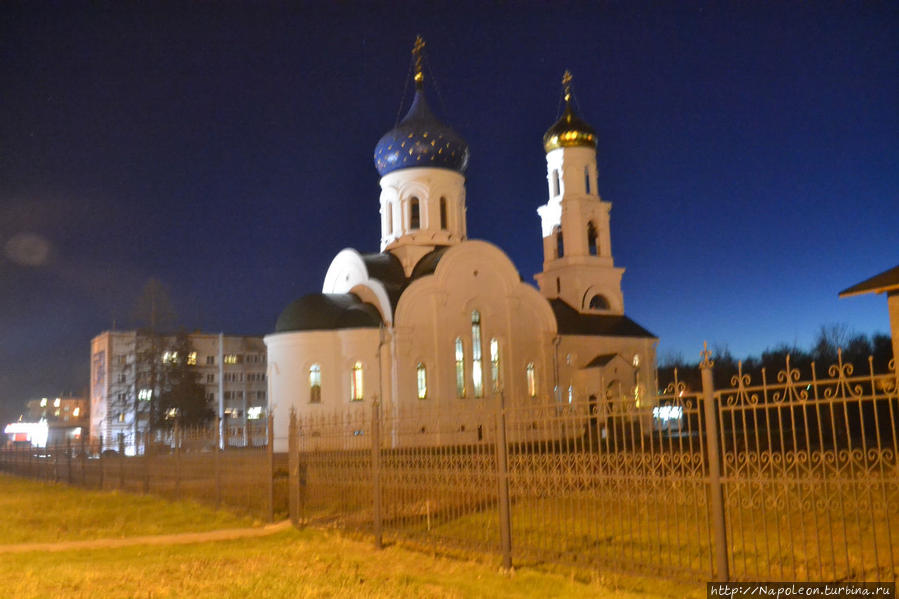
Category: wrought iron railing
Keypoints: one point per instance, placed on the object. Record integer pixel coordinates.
(792, 478)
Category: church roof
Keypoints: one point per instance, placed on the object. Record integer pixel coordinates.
(572, 322)
(888, 280)
(427, 264)
(387, 268)
(327, 311)
(420, 140)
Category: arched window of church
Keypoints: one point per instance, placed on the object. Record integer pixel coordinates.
(414, 214)
(477, 374)
(560, 243)
(555, 182)
(531, 375)
(315, 384)
(390, 219)
(421, 375)
(599, 302)
(570, 395)
(587, 178)
(443, 213)
(460, 368)
(591, 238)
(495, 366)
(356, 382)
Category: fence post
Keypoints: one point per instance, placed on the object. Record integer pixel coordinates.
(502, 480)
(121, 460)
(146, 460)
(83, 458)
(716, 491)
(68, 461)
(270, 455)
(102, 467)
(293, 470)
(376, 471)
(56, 463)
(176, 438)
(217, 462)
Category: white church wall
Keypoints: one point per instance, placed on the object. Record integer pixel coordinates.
(291, 355)
(436, 310)
(576, 351)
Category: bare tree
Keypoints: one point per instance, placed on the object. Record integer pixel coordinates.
(153, 309)
(154, 315)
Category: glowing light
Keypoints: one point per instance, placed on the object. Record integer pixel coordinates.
(76, 412)
(356, 382)
(422, 376)
(665, 413)
(36, 431)
(254, 413)
(56, 403)
(44, 402)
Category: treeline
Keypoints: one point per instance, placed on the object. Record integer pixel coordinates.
(856, 350)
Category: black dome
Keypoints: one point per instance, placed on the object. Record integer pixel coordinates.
(327, 311)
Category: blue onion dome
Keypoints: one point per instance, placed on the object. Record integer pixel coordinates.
(569, 130)
(420, 140)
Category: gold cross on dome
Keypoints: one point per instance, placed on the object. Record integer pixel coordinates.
(416, 52)
(566, 83)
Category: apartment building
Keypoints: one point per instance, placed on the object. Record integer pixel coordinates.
(230, 368)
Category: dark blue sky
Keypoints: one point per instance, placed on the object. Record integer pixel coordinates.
(749, 151)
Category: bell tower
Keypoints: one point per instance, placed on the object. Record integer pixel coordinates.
(577, 248)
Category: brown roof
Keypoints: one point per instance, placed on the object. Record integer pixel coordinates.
(572, 322)
(885, 281)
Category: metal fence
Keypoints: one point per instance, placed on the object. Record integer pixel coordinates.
(784, 479)
(181, 464)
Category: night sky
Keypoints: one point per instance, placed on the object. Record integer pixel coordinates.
(749, 152)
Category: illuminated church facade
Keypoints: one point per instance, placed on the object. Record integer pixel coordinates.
(436, 325)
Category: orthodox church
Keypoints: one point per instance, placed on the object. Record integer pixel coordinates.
(436, 325)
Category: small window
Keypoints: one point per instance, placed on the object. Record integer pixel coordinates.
(422, 379)
(531, 375)
(315, 384)
(477, 375)
(460, 368)
(570, 394)
(555, 183)
(414, 214)
(598, 302)
(210, 360)
(587, 178)
(560, 243)
(390, 219)
(443, 213)
(356, 382)
(495, 366)
(591, 238)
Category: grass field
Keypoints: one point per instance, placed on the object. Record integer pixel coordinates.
(308, 563)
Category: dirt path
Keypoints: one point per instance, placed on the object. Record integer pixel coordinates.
(173, 539)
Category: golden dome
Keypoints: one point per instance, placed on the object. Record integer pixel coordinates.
(569, 131)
